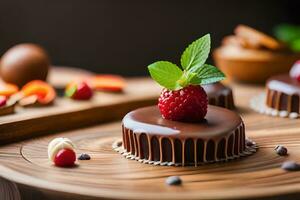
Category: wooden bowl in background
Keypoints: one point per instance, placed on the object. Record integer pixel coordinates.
(252, 65)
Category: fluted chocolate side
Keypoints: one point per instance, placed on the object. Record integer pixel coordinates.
(282, 94)
(282, 101)
(190, 151)
(225, 101)
(219, 95)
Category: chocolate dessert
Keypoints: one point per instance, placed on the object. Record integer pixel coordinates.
(219, 137)
(219, 95)
(283, 94)
(24, 63)
(183, 129)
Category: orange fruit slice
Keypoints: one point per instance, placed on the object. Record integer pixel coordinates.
(107, 82)
(45, 93)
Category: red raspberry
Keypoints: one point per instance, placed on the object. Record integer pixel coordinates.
(65, 158)
(3, 100)
(187, 104)
(84, 91)
(295, 71)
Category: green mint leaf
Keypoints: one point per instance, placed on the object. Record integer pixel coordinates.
(196, 53)
(166, 74)
(295, 45)
(287, 32)
(70, 91)
(207, 74)
(194, 72)
(186, 78)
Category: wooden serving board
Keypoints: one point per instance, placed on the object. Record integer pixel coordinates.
(111, 176)
(68, 114)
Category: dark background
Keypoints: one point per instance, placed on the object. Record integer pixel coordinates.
(124, 36)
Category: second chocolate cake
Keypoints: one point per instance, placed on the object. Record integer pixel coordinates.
(283, 95)
(219, 95)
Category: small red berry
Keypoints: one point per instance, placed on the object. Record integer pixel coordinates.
(79, 91)
(3, 101)
(187, 104)
(84, 91)
(65, 158)
(295, 71)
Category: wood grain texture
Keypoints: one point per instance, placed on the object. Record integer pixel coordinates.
(68, 114)
(109, 175)
(9, 190)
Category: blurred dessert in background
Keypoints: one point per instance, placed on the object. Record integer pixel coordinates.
(23, 63)
(283, 93)
(252, 56)
(219, 95)
(282, 97)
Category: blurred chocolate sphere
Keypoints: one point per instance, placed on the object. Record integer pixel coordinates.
(23, 63)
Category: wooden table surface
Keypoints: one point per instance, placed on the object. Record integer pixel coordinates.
(109, 175)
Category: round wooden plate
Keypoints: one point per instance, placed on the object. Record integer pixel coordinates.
(110, 175)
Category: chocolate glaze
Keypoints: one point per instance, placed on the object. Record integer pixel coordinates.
(219, 95)
(283, 93)
(148, 136)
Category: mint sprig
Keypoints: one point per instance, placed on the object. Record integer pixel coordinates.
(196, 53)
(207, 74)
(166, 74)
(193, 69)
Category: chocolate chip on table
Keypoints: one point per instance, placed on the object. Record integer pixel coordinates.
(281, 150)
(290, 166)
(173, 180)
(84, 156)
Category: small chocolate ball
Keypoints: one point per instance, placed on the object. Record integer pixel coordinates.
(290, 166)
(281, 150)
(173, 180)
(23, 63)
